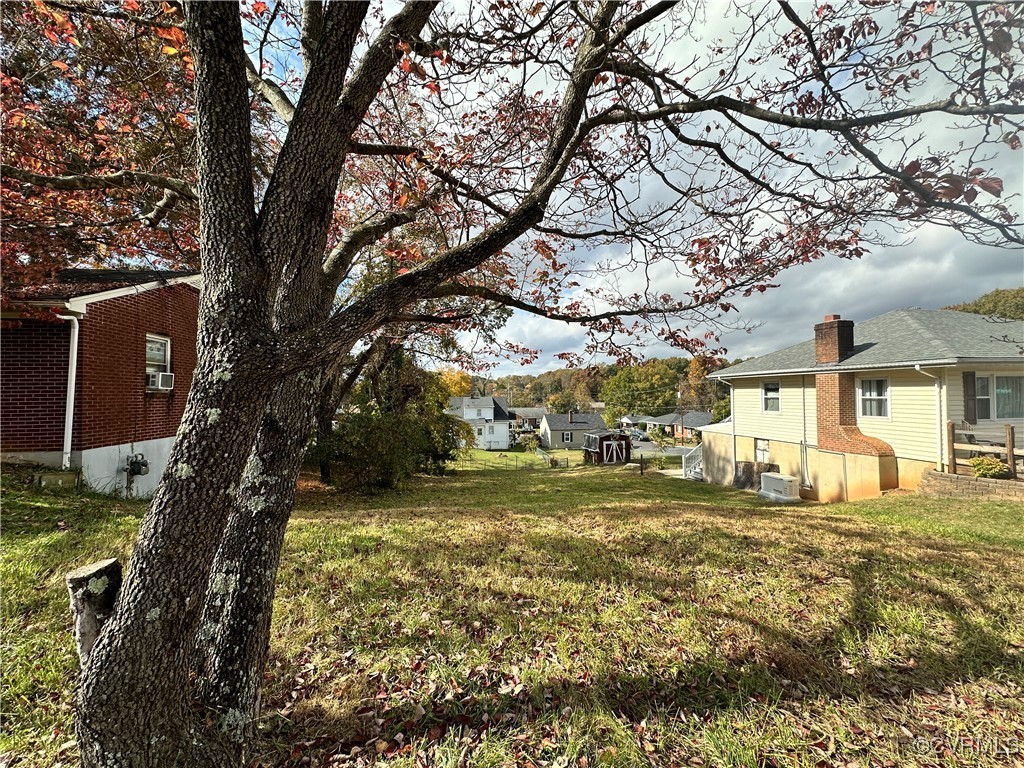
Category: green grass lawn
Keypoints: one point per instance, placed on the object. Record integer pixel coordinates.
(514, 458)
(585, 617)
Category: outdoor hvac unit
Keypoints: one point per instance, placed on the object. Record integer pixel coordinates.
(777, 487)
(161, 381)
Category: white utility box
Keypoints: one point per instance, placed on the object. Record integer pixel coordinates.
(779, 487)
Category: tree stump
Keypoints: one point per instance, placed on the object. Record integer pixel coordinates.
(93, 590)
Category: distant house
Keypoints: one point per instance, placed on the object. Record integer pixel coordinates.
(527, 418)
(860, 410)
(634, 421)
(489, 418)
(566, 430)
(684, 426)
(103, 377)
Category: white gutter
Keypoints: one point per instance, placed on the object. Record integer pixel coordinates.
(732, 427)
(940, 432)
(69, 400)
(726, 374)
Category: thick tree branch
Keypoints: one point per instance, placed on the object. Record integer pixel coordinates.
(342, 255)
(374, 307)
(227, 197)
(92, 10)
(617, 115)
(489, 294)
(272, 93)
(118, 180)
(312, 28)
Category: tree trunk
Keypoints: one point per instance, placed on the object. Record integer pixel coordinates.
(234, 633)
(333, 392)
(134, 705)
(325, 428)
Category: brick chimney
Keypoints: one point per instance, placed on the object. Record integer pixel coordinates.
(837, 394)
(833, 340)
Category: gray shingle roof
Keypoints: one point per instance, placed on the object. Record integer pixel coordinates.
(668, 418)
(901, 338)
(635, 418)
(696, 419)
(528, 413)
(690, 419)
(500, 405)
(559, 422)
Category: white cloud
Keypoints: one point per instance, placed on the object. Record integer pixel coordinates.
(937, 269)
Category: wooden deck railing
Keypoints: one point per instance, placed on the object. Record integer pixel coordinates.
(1008, 450)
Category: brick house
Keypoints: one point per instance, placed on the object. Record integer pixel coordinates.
(103, 376)
(863, 409)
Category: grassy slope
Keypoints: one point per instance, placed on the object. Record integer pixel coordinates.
(586, 617)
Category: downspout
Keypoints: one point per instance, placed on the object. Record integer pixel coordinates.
(69, 400)
(732, 428)
(940, 432)
(805, 471)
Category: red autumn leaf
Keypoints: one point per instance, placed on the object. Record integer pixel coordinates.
(259, 7)
(60, 65)
(992, 185)
(403, 200)
(408, 65)
(132, 5)
(912, 168)
(433, 87)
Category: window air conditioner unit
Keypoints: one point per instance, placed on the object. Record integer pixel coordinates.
(160, 381)
(778, 487)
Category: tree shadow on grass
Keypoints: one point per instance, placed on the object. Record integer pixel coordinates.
(755, 654)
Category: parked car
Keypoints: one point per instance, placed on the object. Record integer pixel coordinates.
(642, 437)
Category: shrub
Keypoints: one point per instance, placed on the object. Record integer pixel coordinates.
(989, 466)
(530, 442)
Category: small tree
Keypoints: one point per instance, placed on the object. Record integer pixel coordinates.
(661, 439)
(721, 410)
(530, 442)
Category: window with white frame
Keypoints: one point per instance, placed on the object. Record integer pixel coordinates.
(567, 437)
(158, 354)
(479, 412)
(1009, 392)
(490, 430)
(983, 397)
(479, 431)
(771, 401)
(874, 398)
(761, 450)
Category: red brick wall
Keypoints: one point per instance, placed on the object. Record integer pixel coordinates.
(837, 417)
(113, 405)
(33, 384)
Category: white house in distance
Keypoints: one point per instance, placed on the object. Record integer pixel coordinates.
(489, 418)
(860, 410)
